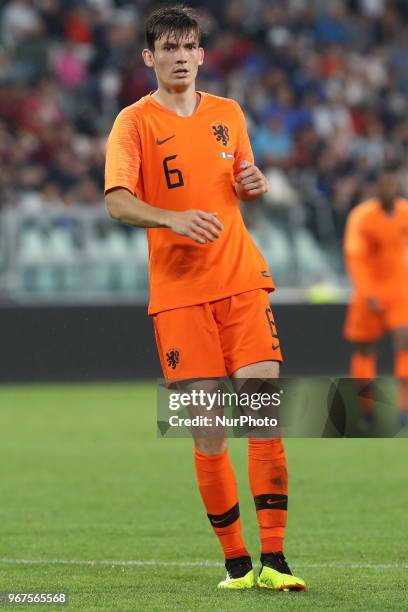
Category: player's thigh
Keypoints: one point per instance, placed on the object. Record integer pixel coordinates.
(257, 378)
(261, 369)
(248, 334)
(362, 325)
(188, 343)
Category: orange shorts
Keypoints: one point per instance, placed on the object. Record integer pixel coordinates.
(215, 339)
(364, 325)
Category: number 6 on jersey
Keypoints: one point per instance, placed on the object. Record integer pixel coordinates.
(170, 174)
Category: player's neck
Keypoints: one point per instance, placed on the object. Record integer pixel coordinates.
(387, 204)
(182, 103)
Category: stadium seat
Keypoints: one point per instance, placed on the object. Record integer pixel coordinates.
(63, 260)
(275, 245)
(138, 259)
(110, 262)
(31, 248)
(31, 259)
(311, 260)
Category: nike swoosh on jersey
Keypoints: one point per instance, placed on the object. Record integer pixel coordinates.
(160, 142)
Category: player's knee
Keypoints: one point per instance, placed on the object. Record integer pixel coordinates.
(210, 446)
(401, 339)
(365, 348)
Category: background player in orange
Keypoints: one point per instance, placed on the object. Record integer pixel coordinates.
(376, 250)
(177, 163)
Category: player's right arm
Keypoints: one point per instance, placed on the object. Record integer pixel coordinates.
(200, 226)
(359, 252)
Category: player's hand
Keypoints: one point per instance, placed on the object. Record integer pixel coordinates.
(250, 183)
(373, 304)
(200, 226)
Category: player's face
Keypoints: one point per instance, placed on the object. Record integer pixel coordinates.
(175, 61)
(389, 185)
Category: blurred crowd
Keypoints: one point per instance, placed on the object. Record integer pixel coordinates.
(324, 86)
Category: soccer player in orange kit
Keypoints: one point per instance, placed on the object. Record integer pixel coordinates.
(376, 251)
(177, 163)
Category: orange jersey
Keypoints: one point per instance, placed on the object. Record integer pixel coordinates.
(376, 249)
(180, 163)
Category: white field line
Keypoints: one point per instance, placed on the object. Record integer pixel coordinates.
(204, 563)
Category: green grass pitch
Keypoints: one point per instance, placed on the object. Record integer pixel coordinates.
(93, 503)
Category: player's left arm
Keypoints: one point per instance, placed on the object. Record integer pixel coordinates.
(249, 181)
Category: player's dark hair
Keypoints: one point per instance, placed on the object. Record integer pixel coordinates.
(177, 20)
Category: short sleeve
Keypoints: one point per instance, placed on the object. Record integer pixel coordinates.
(244, 149)
(123, 153)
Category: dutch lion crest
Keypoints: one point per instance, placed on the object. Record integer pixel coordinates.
(221, 133)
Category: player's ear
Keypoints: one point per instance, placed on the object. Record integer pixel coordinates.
(148, 58)
(200, 56)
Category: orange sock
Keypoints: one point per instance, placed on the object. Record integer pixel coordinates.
(216, 481)
(364, 368)
(401, 373)
(268, 479)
